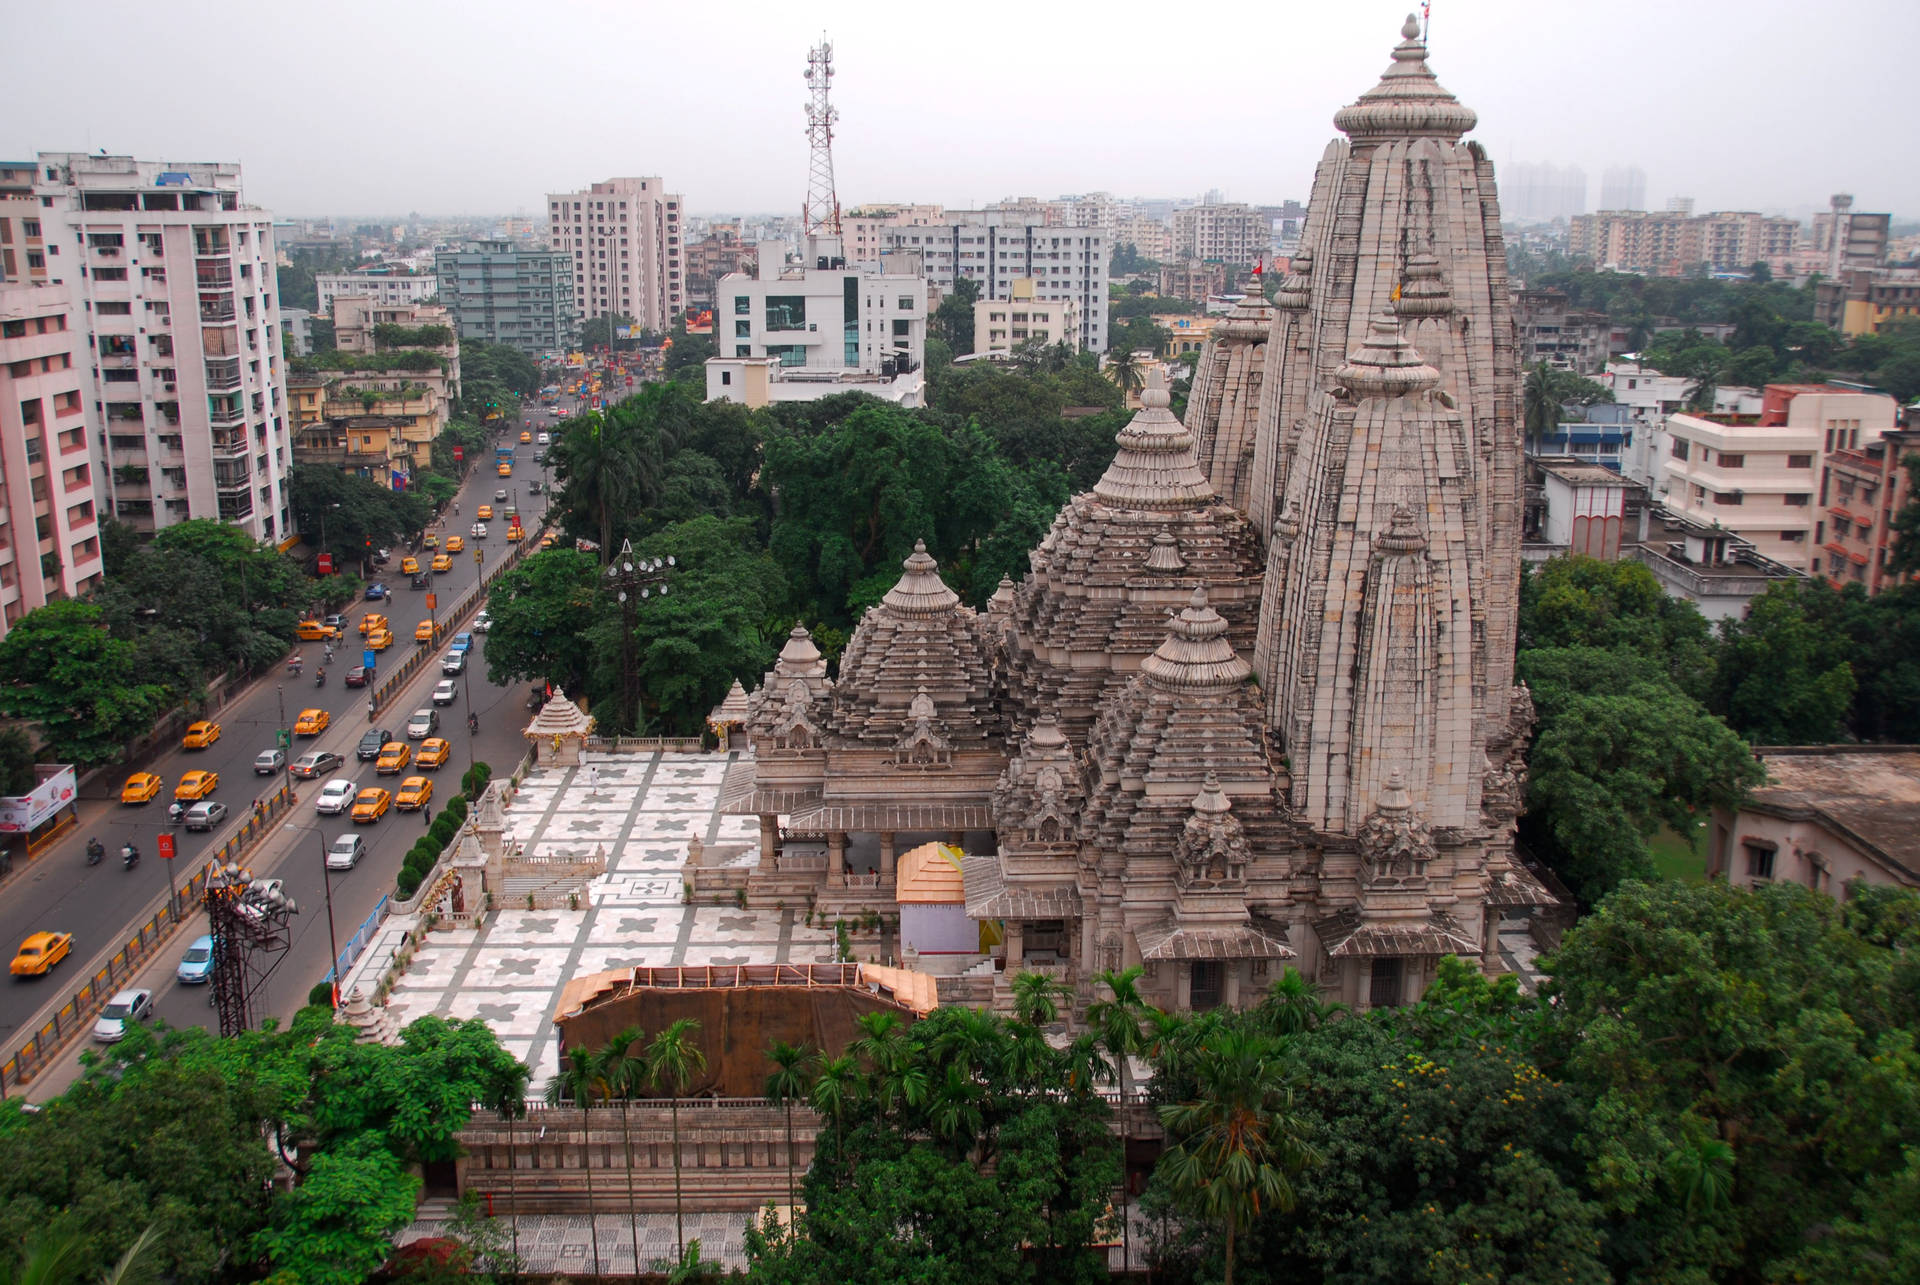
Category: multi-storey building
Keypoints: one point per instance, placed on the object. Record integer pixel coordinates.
(1547, 328)
(1844, 238)
(1672, 242)
(1861, 301)
(999, 245)
(1148, 237)
(388, 284)
(1192, 279)
(175, 302)
(713, 256)
(1757, 475)
(1623, 187)
(501, 293)
(819, 326)
(1001, 325)
(1221, 233)
(49, 522)
(866, 228)
(624, 237)
(1861, 489)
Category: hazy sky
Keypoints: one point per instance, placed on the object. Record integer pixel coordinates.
(484, 106)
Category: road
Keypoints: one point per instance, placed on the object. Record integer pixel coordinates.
(101, 905)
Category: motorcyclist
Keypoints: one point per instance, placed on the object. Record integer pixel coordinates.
(129, 855)
(473, 722)
(95, 851)
(320, 676)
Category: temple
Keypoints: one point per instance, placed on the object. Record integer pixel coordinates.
(1253, 705)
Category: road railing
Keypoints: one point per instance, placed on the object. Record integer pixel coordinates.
(31, 1053)
(384, 694)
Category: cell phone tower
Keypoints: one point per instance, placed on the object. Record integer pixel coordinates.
(821, 213)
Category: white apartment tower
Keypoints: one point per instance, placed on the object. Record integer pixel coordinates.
(177, 311)
(624, 236)
(1221, 233)
(995, 247)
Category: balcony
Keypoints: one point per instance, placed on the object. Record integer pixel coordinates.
(223, 376)
(213, 312)
(223, 413)
(214, 276)
(229, 444)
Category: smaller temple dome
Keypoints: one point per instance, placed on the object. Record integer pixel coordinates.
(1408, 102)
(1158, 464)
(1196, 652)
(1424, 293)
(1386, 364)
(1295, 293)
(921, 591)
(800, 658)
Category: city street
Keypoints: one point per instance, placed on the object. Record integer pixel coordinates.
(101, 905)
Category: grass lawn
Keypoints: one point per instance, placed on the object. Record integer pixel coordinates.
(1672, 858)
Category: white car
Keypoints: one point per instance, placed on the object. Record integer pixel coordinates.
(336, 796)
(543, 439)
(479, 531)
(421, 724)
(445, 693)
(482, 623)
(453, 662)
(127, 1006)
(345, 852)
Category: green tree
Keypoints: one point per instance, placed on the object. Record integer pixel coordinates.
(622, 1067)
(60, 669)
(1037, 998)
(597, 470)
(17, 758)
(544, 612)
(1781, 677)
(1238, 1147)
(579, 1082)
(675, 1060)
(952, 321)
(337, 1226)
(348, 515)
(1574, 601)
(794, 1068)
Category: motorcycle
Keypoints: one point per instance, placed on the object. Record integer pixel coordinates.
(95, 851)
(176, 812)
(319, 678)
(473, 722)
(294, 665)
(129, 856)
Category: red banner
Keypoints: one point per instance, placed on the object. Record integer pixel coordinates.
(165, 844)
(326, 564)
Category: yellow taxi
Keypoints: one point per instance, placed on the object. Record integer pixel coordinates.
(415, 793)
(486, 513)
(424, 631)
(197, 785)
(516, 533)
(505, 470)
(314, 631)
(431, 539)
(409, 566)
(311, 722)
(526, 438)
(141, 787)
(394, 757)
(546, 541)
(380, 639)
(200, 735)
(371, 621)
(40, 952)
(456, 543)
(442, 562)
(434, 752)
(371, 805)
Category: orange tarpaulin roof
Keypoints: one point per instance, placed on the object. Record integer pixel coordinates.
(930, 873)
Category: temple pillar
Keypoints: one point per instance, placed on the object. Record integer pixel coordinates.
(886, 860)
(837, 860)
(769, 842)
(1016, 945)
(1233, 970)
(1183, 988)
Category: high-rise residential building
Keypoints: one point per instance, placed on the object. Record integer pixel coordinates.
(178, 314)
(1623, 187)
(997, 246)
(803, 330)
(1541, 193)
(49, 518)
(1845, 238)
(1673, 242)
(1221, 233)
(865, 227)
(1002, 325)
(624, 237)
(1149, 238)
(387, 285)
(502, 293)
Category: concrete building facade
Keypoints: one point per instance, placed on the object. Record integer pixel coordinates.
(174, 295)
(1001, 325)
(1233, 233)
(388, 285)
(1829, 815)
(1670, 243)
(501, 293)
(624, 237)
(997, 246)
(1861, 489)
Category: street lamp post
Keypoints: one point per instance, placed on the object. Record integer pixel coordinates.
(632, 579)
(333, 942)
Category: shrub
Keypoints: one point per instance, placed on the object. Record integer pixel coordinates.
(321, 994)
(408, 883)
(457, 807)
(442, 831)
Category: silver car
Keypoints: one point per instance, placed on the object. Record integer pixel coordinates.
(345, 852)
(422, 724)
(125, 1007)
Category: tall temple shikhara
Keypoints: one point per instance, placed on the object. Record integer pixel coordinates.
(1254, 704)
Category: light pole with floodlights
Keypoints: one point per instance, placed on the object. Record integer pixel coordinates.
(631, 580)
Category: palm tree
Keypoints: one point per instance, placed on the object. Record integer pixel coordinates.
(1239, 1143)
(793, 1065)
(53, 1257)
(597, 467)
(1292, 1005)
(1124, 369)
(1036, 999)
(833, 1092)
(622, 1067)
(575, 1083)
(675, 1059)
(955, 1114)
(1540, 406)
(898, 1078)
(1085, 1066)
(1116, 1021)
(690, 1267)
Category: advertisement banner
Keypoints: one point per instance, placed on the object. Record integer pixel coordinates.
(23, 813)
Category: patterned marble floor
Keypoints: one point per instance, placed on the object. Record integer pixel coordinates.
(641, 810)
(564, 1243)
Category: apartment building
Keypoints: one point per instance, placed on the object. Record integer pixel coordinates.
(1670, 243)
(1150, 238)
(176, 309)
(389, 285)
(1861, 489)
(1230, 233)
(1001, 325)
(1757, 475)
(999, 245)
(820, 325)
(865, 228)
(624, 237)
(1192, 279)
(1863, 301)
(49, 520)
(501, 293)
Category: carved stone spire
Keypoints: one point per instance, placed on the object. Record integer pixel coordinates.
(1386, 365)
(1196, 654)
(1408, 102)
(1157, 466)
(921, 591)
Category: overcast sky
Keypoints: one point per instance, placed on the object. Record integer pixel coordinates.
(484, 106)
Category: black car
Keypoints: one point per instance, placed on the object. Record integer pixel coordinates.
(369, 748)
(376, 591)
(359, 676)
(422, 580)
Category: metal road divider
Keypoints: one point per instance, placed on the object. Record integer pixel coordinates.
(32, 1054)
(362, 937)
(385, 692)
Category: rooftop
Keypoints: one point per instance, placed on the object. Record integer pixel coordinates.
(1576, 472)
(1869, 793)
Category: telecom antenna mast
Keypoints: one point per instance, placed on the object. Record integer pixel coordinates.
(821, 214)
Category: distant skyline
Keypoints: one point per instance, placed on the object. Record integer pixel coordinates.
(483, 108)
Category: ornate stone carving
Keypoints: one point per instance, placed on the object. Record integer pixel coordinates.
(794, 728)
(1395, 842)
(921, 744)
(1212, 850)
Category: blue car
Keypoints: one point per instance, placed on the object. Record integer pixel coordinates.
(196, 965)
(375, 591)
(461, 642)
